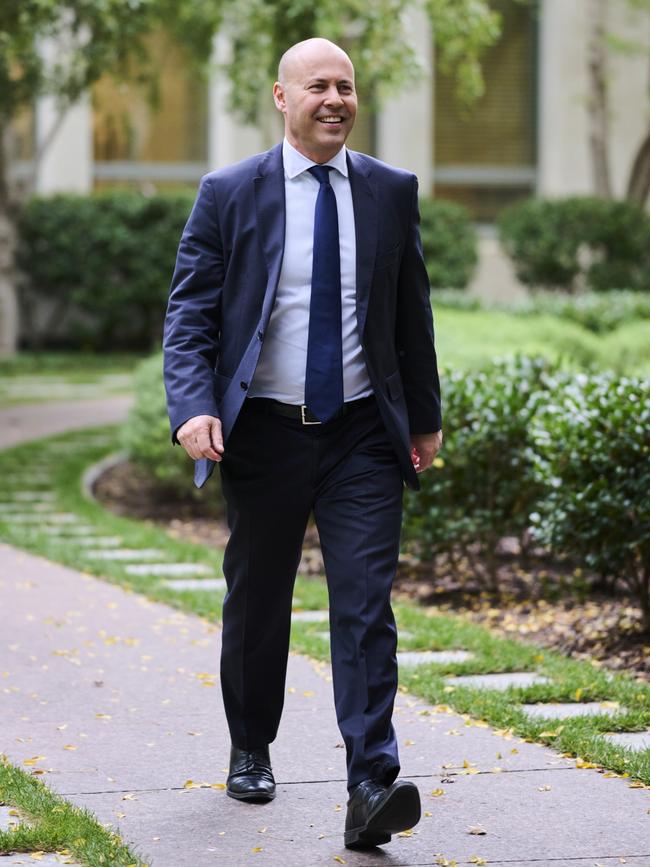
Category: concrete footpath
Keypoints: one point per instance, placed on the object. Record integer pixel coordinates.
(117, 699)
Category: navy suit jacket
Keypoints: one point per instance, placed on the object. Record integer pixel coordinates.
(225, 280)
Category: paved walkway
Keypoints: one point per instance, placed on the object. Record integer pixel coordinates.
(25, 422)
(119, 699)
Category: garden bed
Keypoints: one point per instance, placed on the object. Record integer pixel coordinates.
(536, 601)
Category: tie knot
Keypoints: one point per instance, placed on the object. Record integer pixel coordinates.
(321, 173)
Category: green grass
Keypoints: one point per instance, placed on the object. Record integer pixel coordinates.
(470, 338)
(52, 824)
(572, 680)
(32, 377)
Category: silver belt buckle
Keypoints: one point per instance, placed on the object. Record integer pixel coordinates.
(303, 409)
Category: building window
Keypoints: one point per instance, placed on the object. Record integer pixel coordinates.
(485, 156)
(163, 141)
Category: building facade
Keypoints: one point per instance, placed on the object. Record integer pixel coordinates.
(528, 135)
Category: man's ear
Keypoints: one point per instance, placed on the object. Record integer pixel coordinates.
(278, 97)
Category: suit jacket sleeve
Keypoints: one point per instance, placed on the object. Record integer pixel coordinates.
(192, 322)
(414, 333)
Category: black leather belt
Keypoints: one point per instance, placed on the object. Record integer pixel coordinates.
(301, 413)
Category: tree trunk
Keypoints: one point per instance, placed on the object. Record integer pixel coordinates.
(8, 236)
(597, 103)
(638, 185)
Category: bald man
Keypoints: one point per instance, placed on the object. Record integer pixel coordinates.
(299, 357)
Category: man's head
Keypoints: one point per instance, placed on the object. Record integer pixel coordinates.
(315, 93)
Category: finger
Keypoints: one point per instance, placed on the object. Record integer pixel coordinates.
(205, 447)
(216, 435)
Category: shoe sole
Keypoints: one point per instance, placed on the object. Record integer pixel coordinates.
(253, 797)
(398, 813)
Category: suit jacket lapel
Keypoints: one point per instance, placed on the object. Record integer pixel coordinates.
(270, 207)
(364, 202)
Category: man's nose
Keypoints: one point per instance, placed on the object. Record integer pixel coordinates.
(333, 97)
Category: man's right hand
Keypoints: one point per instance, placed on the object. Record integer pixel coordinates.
(201, 437)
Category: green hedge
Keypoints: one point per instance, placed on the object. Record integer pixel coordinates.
(591, 453)
(146, 437)
(449, 242)
(482, 486)
(555, 242)
(540, 454)
(102, 265)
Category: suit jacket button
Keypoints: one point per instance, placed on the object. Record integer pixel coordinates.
(244, 385)
(260, 335)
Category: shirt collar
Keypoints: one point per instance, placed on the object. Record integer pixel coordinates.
(295, 163)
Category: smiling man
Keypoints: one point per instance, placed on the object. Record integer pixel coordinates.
(299, 356)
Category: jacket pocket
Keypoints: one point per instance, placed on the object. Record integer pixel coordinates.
(394, 385)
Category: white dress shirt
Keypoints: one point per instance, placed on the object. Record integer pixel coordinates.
(280, 372)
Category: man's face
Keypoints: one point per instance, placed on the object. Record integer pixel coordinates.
(318, 101)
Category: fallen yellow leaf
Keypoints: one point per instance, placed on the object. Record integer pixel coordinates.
(437, 792)
(33, 760)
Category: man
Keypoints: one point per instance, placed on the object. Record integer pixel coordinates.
(299, 356)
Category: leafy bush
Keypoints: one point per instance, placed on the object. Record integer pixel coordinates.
(553, 242)
(449, 243)
(146, 436)
(599, 312)
(591, 454)
(101, 265)
(482, 486)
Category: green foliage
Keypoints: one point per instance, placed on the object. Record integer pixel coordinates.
(553, 243)
(104, 262)
(145, 434)
(373, 33)
(449, 243)
(591, 452)
(600, 312)
(99, 37)
(481, 487)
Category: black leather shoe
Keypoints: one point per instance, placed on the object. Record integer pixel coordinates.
(375, 812)
(250, 777)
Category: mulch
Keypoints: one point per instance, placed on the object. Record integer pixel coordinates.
(536, 601)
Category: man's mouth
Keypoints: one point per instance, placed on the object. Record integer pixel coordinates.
(330, 118)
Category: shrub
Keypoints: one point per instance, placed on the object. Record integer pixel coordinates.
(449, 243)
(552, 243)
(146, 437)
(482, 486)
(101, 265)
(591, 454)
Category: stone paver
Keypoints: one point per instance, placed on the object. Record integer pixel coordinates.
(69, 530)
(120, 697)
(34, 518)
(89, 541)
(421, 657)
(635, 740)
(168, 569)
(127, 554)
(564, 710)
(195, 583)
(500, 680)
(310, 616)
(33, 496)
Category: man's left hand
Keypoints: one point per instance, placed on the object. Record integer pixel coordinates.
(424, 448)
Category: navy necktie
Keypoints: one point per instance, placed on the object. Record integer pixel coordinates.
(324, 374)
